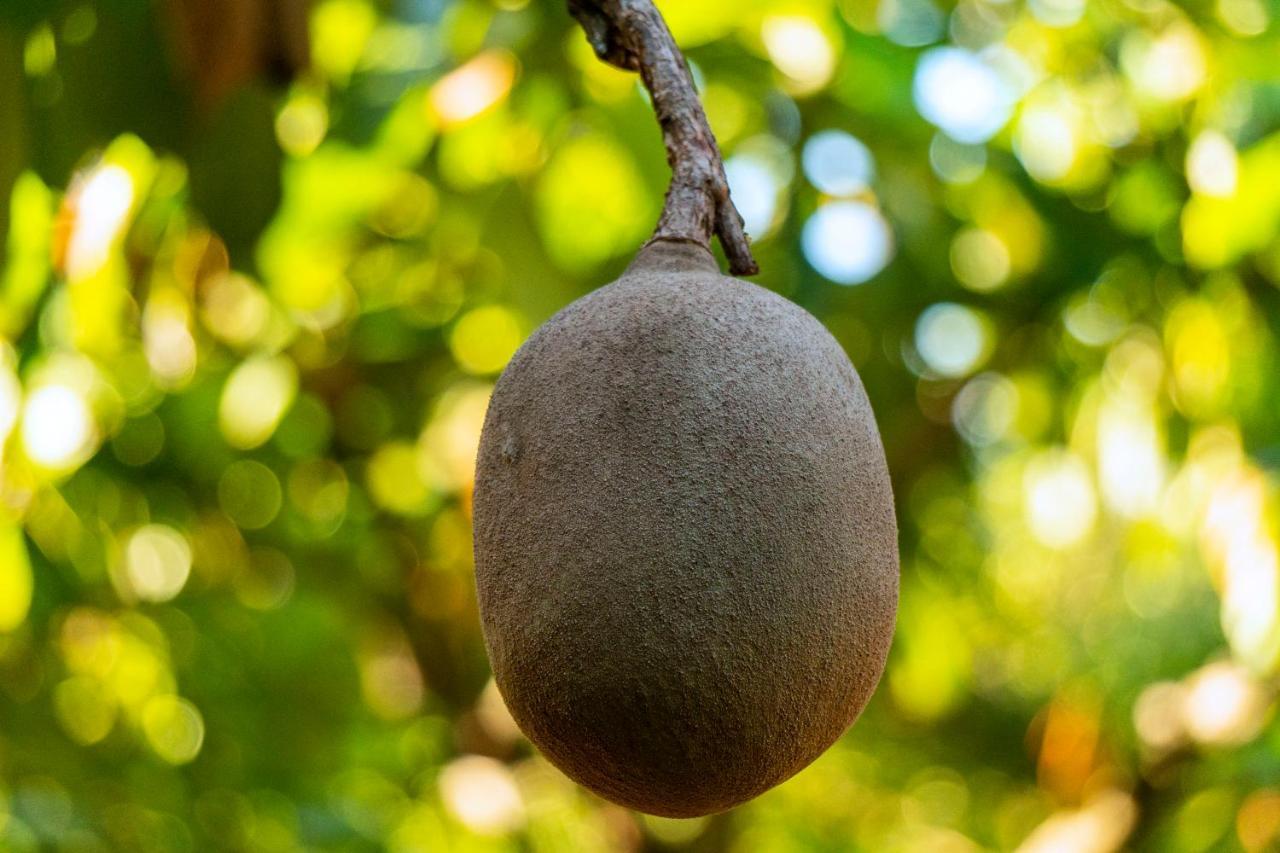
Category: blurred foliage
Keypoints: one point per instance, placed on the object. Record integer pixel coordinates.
(250, 327)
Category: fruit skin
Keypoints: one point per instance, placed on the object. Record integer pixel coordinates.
(686, 550)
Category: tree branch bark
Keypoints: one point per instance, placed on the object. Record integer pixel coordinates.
(632, 35)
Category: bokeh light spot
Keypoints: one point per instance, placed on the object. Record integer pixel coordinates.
(980, 259)
(1212, 165)
(84, 707)
(157, 562)
(910, 23)
(267, 581)
(174, 728)
(1131, 466)
(1244, 17)
(800, 50)
(320, 490)
(985, 409)
(592, 202)
(167, 339)
(482, 795)
(1157, 715)
(1170, 66)
(394, 480)
(1258, 821)
(340, 29)
(1101, 824)
(952, 339)
(848, 242)
(103, 202)
(255, 398)
(58, 429)
(302, 123)
(235, 309)
(484, 339)
(250, 494)
(40, 53)
(837, 163)
(1060, 501)
(473, 89)
(1046, 143)
(961, 94)
(1224, 704)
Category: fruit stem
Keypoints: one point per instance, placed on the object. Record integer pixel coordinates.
(632, 35)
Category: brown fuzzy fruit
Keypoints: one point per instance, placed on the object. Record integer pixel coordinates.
(686, 552)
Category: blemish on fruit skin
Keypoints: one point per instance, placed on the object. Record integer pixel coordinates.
(694, 593)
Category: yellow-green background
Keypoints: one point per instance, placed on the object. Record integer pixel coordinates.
(249, 333)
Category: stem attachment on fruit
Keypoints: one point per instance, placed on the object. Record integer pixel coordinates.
(632, 35)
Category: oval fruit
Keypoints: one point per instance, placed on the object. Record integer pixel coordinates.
(686, 550)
